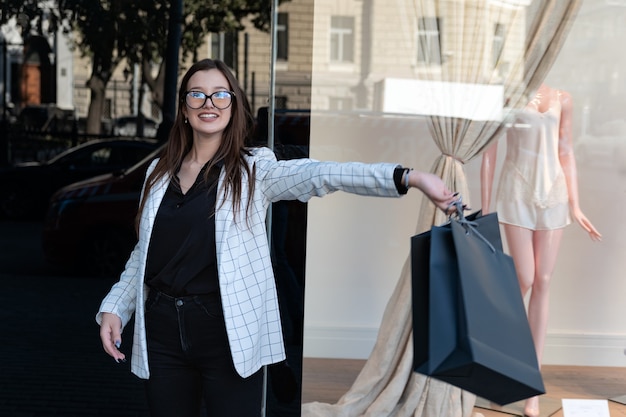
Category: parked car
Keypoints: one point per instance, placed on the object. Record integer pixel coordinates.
(127, 126)
(26, 188)
(89, 225)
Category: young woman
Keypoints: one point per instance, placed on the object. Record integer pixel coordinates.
(199, 281)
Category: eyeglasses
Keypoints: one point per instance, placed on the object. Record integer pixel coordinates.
(220, 99)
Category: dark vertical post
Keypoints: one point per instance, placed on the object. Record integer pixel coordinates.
(4, 124)
(246, 41)
(4, 80)
(174, 36)
(253, 93)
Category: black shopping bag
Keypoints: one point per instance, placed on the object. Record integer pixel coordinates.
(469, 322)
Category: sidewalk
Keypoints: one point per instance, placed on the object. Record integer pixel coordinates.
(53, 363)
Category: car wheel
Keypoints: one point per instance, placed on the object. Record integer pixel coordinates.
(105, 253)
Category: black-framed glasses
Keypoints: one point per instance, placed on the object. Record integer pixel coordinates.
(220, 99)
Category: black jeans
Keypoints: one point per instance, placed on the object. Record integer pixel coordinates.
(190, 361)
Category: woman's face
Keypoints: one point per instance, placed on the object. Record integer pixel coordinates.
(211, 118)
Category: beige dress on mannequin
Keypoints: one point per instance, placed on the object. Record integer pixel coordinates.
(537, 197)
(532, 192)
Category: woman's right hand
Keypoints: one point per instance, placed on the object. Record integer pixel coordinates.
(434, 188)
(111, 336)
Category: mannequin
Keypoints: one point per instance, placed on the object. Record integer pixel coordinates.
(537, 197)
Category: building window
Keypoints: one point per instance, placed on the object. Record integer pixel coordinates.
(342, 39)
(224, 48)
(429, 40)
(340, 103)
(107, 111)
(280, 102)
(282, 37)
(498, 43)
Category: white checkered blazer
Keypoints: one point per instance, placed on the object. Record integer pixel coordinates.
(245, 272)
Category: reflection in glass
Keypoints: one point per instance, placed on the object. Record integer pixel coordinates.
(432, 84)
(405, 82)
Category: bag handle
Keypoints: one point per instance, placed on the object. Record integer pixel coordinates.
(468, 225)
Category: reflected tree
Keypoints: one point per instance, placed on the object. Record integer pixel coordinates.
(115, 32)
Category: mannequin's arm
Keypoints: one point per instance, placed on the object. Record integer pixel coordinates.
(487, 170)
(568, 163)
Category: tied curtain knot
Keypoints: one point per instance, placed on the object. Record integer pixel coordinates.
(456, 158)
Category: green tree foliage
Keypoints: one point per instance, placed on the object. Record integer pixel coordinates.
(112, 32)
(32, 16)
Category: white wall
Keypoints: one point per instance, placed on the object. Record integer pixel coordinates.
(357, 246)
(65, 72)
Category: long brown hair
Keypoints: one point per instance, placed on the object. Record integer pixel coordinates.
(232, 148)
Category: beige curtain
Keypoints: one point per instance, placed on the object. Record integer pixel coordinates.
(528, 37)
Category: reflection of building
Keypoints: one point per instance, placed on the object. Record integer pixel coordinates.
(353, 52)
(350, 48)
(10, 60)
(37, 77)
(35, 70)
(5, 77)
(41, 70)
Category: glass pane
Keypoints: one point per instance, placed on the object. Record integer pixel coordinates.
(288, 219)
(372, 111)
(351, 276)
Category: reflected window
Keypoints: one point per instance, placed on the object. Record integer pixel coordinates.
(88, 158)
(429, 40)
(101, 156)
(224, 48)
(342, 39)
(340, 103)
(498, 43)
(108, 105)
(282, 37)
(280, 102)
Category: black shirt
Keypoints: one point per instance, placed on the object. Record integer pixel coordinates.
(182, 258)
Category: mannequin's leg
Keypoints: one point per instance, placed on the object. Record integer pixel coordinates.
(520, 247)
(546, 244)
(534, 254)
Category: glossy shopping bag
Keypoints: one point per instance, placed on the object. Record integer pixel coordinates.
(470, 327)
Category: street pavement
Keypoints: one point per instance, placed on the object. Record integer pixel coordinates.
(52, 361)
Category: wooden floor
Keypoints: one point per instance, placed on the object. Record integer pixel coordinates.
(326, 380)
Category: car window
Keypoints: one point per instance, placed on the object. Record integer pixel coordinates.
(128, 155)
(101, 156)
(137, 154)
(143, 164)
(89, 158)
